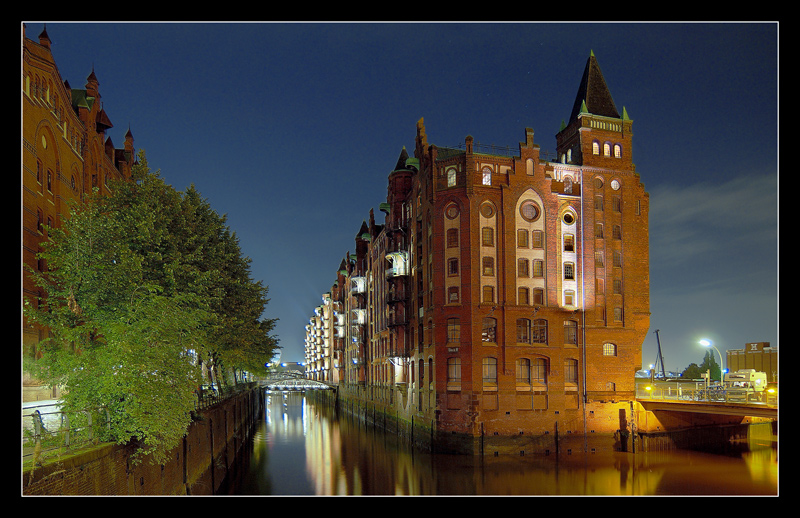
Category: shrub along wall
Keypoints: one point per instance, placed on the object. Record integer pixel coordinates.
(198, 466)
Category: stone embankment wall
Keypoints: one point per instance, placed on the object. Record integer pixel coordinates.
(198, 466)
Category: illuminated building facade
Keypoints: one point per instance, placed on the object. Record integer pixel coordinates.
(504, 301)
(65, 154)
(758, 356)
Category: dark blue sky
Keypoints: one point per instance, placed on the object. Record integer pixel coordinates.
(291, 130)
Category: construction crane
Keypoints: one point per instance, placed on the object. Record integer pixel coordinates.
(660, 358)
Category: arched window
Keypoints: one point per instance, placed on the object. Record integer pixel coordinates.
(451, 177)
(523, 372)
(571, 371)
(539, 373)
(539, 331)
(523, 331)
(617, 151)
(607, 149)
(489, 331)
(609, 350)
(487, 176)
(595, 148)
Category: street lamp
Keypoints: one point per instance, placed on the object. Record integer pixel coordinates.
(707, 343)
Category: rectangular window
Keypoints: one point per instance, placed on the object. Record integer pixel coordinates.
(570, 332)
(538, 296)
(569, 243)
(489, 371)
(487, 236)
(488, 266)
(569, 271)
(453, 373)
(452, 267)
(598, 203)
(538, 268)
(537, 239)
(523, 331)
(453, 330)
(488, 294)
(452, 294)
(452, 237)
(522, 238)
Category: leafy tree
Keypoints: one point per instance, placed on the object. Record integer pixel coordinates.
(694, 371)
(140, 285)
(710, 364)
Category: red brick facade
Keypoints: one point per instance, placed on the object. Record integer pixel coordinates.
(65, 154)
(524, 298)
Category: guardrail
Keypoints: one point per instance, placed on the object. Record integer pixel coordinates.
(702, 392)
(48, 430)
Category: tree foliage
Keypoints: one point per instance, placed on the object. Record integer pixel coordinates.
(143, 288)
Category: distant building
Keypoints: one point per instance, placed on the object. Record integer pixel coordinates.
(757, 355)
(504, 296)
(65, 154)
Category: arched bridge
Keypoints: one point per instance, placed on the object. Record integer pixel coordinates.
(292, 380)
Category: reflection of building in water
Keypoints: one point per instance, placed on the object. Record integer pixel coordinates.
(506, 294)
(285, 415)
(756, 355)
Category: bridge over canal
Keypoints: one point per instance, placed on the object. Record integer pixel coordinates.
(293, 381)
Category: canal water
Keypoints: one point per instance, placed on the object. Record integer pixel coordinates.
(302, 448)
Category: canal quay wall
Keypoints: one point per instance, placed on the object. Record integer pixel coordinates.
(604, 426)
(198, 466)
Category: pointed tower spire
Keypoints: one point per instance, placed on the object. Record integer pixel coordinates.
(593, 95)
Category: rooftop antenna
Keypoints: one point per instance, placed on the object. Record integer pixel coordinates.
(659, 358)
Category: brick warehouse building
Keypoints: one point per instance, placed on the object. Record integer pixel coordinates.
(503, 304)
(65, 154)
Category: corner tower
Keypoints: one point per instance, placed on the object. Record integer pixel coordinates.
(595, 134)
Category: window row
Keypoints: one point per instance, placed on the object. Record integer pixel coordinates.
(607, 149)
(527, 372)
(529, 331)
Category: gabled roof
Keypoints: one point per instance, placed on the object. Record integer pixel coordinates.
(593, 95)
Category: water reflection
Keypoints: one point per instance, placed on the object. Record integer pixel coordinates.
(305, 449)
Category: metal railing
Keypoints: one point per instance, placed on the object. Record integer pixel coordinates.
(47, 430)
(700, 391)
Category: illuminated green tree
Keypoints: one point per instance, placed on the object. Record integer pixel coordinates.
(139, 286)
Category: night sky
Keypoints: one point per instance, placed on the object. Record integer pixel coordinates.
(290, 130)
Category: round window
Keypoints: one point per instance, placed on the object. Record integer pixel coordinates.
(452, 211)
(487, 210)
(569, 218)
(529, 211)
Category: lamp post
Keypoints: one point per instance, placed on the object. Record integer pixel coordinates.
(707, 343)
